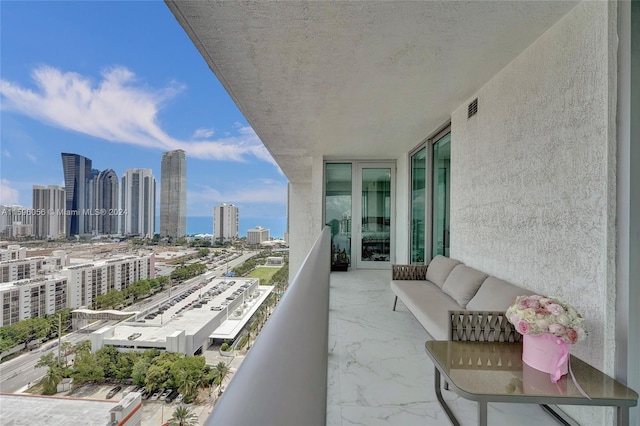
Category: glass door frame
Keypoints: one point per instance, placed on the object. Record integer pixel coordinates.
(357, 233)
(428, 143)
(356, 208)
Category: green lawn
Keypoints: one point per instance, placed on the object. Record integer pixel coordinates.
(264, 274)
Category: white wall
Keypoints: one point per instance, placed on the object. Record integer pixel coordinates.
(533, 175)
(301, 232)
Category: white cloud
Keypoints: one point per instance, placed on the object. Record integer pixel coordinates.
(203, 133)
(118, 109)
(32, 157)
(254, 196)
(6, 153)
(8, 195)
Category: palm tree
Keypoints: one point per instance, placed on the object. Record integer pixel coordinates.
(221, 370)
(51, 379)
(183, 416)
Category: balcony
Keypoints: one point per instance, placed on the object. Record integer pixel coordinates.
(375, 370)
(379, 372)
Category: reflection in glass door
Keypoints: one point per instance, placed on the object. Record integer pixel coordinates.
(337, 212)
(375, 212)
(418, 194)
(441, 195)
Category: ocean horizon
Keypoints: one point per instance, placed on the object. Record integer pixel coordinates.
(204, 225)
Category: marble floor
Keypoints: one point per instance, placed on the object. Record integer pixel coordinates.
(379, 373)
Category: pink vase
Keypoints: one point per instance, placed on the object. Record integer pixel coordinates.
(546, 352)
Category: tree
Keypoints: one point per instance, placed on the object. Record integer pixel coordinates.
(221, 371)
(30, 329)
(187, 374)
(47, 360)
(183, 416)
(50, 380)
(86, 367)
(139, 371)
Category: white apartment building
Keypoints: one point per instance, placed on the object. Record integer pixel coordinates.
(257, 235)
(89, 280)
(49, 200)
(138, 203)
(13, 252)
(35, 294)
(32, 298)
(31, 267)
(16, 221)
(225, 222)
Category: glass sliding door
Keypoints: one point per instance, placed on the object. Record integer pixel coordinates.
(441, 195)
(418, 213)
(337, 212)
(374, 215)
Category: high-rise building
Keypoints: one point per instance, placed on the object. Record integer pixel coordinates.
(138, 203)
(77, 169)
(105, 203)
(225, 222)
(257, 235)
(173, 194)
(49, 200)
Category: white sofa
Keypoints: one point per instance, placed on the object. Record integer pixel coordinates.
(431, 291)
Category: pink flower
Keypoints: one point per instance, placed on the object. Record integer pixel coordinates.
(572, 335)
(557, 329)
(522, 327)
(555, 309)
(542, 311)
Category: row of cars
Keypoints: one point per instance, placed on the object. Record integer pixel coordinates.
(166, 395)
(172, 302)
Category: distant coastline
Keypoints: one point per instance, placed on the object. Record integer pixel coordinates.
(204, 225)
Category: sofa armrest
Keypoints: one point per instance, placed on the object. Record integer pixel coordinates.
(481, 326)
(408, 272)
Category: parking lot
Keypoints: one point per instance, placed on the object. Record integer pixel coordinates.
(154, 413)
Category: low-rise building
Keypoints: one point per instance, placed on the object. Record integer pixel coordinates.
(257, 235)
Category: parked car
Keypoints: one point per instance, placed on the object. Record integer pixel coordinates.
(113, 392)
(156, 395)
(173, 395)
(165, 394)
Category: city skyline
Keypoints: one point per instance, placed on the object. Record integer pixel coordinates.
(68, 84)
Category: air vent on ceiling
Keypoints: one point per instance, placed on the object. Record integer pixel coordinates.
(473, 108)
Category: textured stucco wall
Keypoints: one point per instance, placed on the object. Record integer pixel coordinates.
(533, 179)
(300, 229)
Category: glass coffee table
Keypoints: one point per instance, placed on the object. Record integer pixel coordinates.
(494, 372)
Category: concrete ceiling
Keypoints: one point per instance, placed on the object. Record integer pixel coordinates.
(357, 79)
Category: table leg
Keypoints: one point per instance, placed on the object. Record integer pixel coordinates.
(442, 402)
(623, 416)
(482, 413)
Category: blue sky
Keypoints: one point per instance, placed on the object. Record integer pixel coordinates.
(120, 83)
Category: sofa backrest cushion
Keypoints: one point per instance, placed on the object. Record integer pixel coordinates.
(439, 269)
(495, 295)
(462, 284)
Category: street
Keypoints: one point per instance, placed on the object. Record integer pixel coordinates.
(17, 373)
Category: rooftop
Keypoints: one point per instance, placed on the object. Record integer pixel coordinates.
(54, 410)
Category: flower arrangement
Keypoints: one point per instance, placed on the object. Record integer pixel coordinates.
(539, 314)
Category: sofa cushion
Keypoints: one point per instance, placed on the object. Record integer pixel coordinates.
(439, 269)
(495, 295)
(462, 284)
(428, 304)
